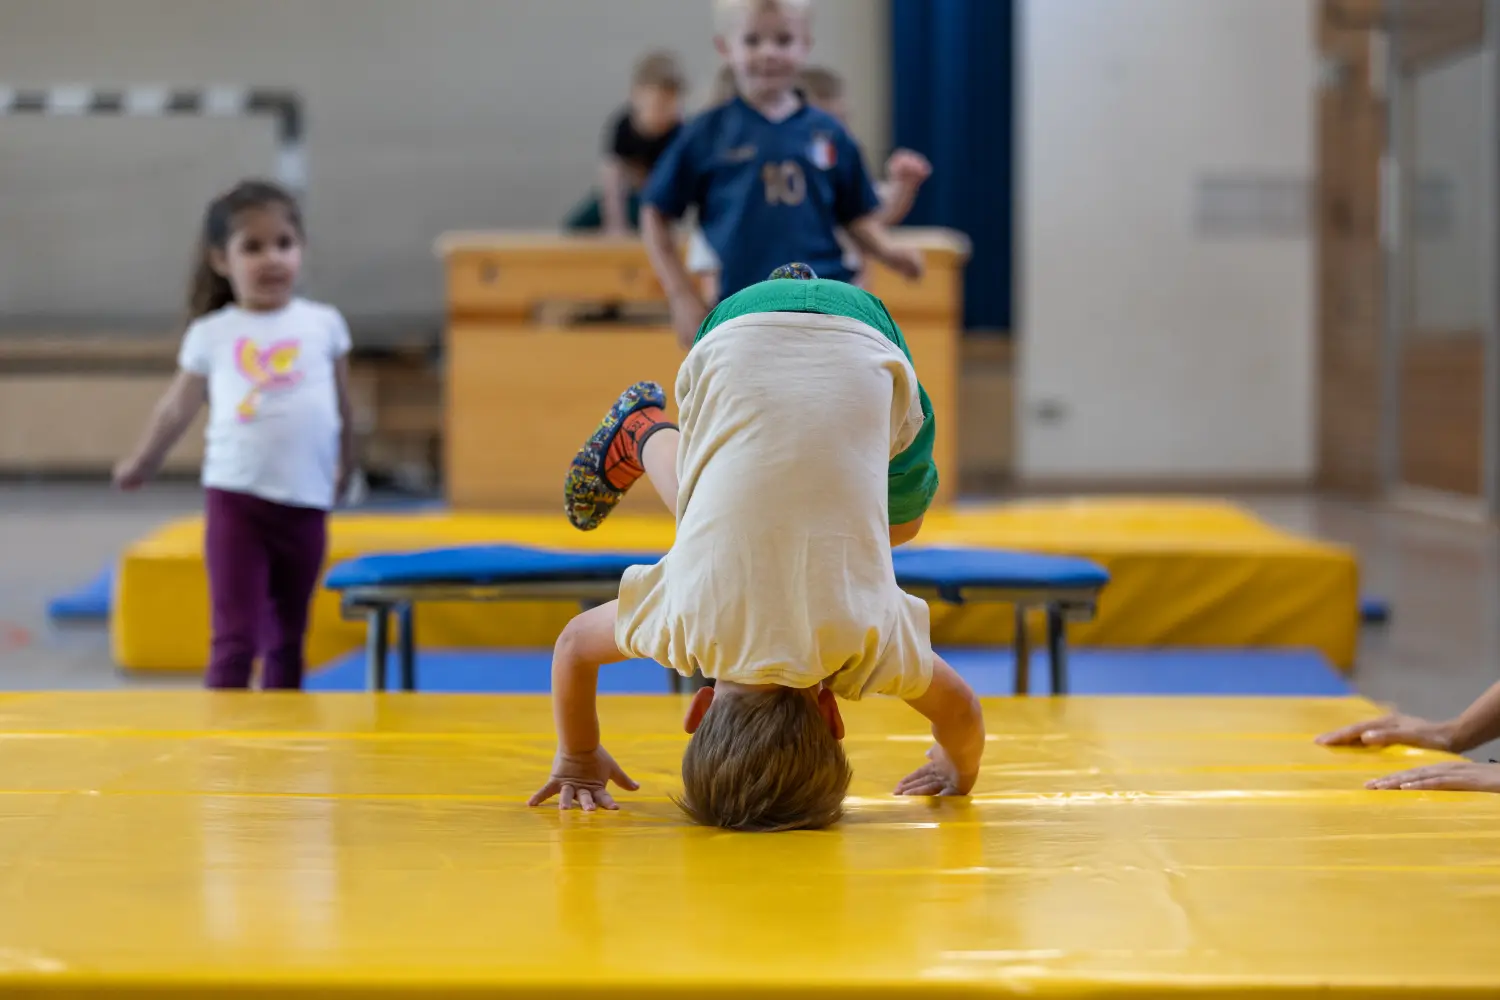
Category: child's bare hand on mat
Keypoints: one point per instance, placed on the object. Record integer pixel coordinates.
(582, 779)
(940, 776)
(1394, 730)
(1454, 776)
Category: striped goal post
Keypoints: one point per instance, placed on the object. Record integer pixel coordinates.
(283, 107)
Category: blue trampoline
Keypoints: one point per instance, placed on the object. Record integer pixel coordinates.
(383, 587)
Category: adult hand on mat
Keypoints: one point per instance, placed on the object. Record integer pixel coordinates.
(582, 778)
(1393, 730)
(1456, 776)
(938, 777)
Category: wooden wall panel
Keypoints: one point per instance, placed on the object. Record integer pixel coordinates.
(1350, 137)
(1442, 412)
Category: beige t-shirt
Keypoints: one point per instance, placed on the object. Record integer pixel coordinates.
(781, 569)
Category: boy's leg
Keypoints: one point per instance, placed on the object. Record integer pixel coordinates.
(612, 459)
(659, 459)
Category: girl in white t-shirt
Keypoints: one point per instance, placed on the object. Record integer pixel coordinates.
(273, 368)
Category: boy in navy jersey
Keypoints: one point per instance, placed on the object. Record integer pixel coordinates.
(772, 177)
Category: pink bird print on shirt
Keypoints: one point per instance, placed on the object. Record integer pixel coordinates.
(269, 370)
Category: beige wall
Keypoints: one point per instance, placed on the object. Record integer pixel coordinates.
(1151, 349)
(1447, 268)
(424, 115)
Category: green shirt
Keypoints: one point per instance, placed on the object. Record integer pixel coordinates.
(913, 478)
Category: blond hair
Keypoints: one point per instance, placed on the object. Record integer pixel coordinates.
(728, 13)
(661, 70)
(765, 761)
(821, 83)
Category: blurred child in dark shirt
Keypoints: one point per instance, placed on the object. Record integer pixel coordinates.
(634, 140)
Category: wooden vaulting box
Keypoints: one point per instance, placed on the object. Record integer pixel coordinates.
(523, 390)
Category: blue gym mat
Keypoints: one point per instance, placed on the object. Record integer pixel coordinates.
(89, 602)
(1290, 673)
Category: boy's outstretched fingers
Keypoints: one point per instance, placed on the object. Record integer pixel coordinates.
(923, 781)
(588, 795)
(938, 777)
(548, 790)
(1456, 776)
(569, 795)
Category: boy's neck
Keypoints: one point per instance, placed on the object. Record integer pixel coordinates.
(722, 688)
(777, 107)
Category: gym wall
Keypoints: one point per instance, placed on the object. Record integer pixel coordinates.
(422, 117)
(1165, 288)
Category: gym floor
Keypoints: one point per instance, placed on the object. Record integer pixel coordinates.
(1441, 578)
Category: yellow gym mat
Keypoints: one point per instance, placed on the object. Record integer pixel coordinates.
(182, 843)
(1183, 573)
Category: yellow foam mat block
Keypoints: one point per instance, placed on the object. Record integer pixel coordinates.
(187, 843)
(1184, 573)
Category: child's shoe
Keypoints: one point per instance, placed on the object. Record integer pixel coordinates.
(610, 463)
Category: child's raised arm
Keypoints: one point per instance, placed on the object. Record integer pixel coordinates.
(169, 421)
(905, 171)
(683, 296)
(613, 197)
(583, 769)
(957, 728)
(870, 235)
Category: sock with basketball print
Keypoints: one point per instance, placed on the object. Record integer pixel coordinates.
(622, 462)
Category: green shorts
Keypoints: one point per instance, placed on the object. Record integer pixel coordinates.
(913, 478)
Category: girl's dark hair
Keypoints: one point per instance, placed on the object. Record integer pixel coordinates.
(210, 291)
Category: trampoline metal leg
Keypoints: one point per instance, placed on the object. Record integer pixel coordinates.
(406, 646)
(1023, 653)
(1057, 649)
(377, 641)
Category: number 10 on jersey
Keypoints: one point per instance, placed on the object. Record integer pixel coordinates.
(785, 183)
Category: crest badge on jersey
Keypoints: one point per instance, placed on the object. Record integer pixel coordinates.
(823, 153)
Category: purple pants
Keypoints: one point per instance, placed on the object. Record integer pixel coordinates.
(263, 560)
